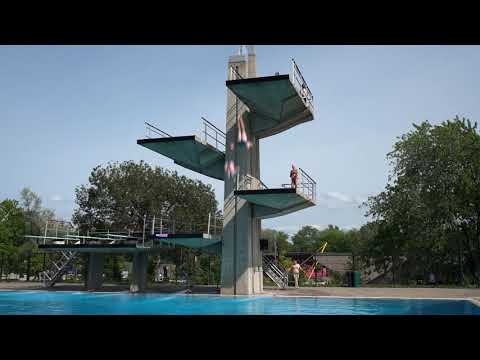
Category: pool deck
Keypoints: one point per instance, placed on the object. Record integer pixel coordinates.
(361, 292)
(365, 292)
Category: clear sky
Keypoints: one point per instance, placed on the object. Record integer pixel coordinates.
(66, 109)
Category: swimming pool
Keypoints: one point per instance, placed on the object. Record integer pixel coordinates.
(82, 303)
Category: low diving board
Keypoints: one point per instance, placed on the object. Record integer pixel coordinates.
(190, 152)
(270, 203)
(275, 101)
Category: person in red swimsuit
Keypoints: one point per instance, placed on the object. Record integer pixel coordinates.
(294, 176)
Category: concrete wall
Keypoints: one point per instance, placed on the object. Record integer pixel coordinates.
(243, 270)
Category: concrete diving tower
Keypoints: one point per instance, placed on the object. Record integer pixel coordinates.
(205, 156)
(276, 103)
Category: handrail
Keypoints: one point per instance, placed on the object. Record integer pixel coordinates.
(214, 126)
(271, 268)
(300, 84)
(218, 134)
(275, 268)
(154, 129)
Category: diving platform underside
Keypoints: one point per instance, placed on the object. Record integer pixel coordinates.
(95, 248)
(190, 152)
(154, 243)
(200, 241)
(270, 203)
(274, 100)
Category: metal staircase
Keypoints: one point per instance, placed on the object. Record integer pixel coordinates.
(275, 272)
(58, 268)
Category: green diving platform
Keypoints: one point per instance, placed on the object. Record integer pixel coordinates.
(190, 152)
(270, 203)
(199, 241)
(276, 103)
(154, 243)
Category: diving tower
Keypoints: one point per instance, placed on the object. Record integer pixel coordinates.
(257, 107)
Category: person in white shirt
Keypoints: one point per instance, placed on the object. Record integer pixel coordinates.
(296, 272)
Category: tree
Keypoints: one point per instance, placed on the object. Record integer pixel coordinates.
(35, 219)
(429, 212)
(311, 239)
(11, 235)
(119, 195)
(306, 239)
(35, 215)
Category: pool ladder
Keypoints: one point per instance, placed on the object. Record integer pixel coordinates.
(275, 272)
(58, 268)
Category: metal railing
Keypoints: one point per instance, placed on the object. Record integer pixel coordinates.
(164, 224)
(234, 74)
(64, 233)
(301, 85)
(152, 131)
(306, 185)
(213, 135)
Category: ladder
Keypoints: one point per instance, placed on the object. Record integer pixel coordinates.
(275, 272)
(58, 268)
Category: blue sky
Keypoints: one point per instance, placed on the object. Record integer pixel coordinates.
(66, 109)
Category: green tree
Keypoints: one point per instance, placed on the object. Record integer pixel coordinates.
(306, 239)
(36, 217)
(120, 194)
(429, 212)
(12, 223)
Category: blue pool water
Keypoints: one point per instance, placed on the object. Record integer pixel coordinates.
(81, 303)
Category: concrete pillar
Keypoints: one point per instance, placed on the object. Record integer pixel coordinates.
(138, 282)
(95, 271)
(241, 267)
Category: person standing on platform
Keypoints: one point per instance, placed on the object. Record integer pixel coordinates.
(294, 176)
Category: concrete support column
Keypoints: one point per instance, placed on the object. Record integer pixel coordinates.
(138, 281)
(242, 271)
(95, 271)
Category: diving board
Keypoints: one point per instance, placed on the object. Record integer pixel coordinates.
(274, 101)
(190, 152)
(270, 203)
